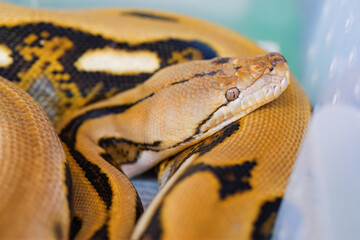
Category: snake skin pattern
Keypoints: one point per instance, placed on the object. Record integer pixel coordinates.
(116, 92)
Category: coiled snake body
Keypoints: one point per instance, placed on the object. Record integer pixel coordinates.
(104, 79)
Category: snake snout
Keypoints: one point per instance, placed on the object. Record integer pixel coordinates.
(276, 58)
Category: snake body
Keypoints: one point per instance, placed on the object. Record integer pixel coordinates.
(176, 92)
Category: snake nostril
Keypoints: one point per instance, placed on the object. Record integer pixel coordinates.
(276, 58)
(279, 59)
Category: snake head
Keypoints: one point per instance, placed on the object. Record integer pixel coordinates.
(247, 84)
(185, 103)
(192, 100)
(199, 98)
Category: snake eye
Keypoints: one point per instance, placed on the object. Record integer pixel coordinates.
(232, 94)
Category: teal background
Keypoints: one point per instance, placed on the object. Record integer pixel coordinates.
(261, 20)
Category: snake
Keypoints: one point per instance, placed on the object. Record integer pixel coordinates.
(89, 99)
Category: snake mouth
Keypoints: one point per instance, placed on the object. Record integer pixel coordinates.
(265, 89)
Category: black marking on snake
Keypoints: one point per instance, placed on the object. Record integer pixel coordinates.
(233, 179)
(68, 93)
(75, 226)
(102, 233)
(204, 146)
(98, 179)
(238, 67)
(149, 16)
(120, 151)
(263, 226)
(93, 173)
(212, 73)
(109, 159)
(68, 134)
(221, 60)
(139, 208)
(188, 139)
(68, 184)
(153, 230)
(179, 82)
(13, 37)
(59, 231)
(187, 56)
(197, 131)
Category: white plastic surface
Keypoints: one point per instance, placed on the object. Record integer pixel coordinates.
(323, 196)
(331, 61)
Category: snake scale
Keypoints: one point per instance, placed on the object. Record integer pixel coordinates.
(117, 92)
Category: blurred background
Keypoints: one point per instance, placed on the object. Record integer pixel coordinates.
(320, 40)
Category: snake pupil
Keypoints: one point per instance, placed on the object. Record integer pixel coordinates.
(232, 94)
